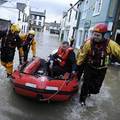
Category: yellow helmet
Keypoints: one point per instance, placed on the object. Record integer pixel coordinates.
(15, 28)
(23, 36)
(31, 32)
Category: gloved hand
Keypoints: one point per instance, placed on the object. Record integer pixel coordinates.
(51, 64)
(73, 74)
(19, 67)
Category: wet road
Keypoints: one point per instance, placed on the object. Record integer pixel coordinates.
(105, 106)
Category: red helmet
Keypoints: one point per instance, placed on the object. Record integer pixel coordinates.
(100, 27)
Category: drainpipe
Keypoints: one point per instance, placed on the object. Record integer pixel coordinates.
(19, 16)
(115, 23)
(78, 19)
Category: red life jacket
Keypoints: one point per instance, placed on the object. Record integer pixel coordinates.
(64, 55)
(97, 55)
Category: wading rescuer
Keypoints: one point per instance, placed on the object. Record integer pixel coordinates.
(9, 41)
(95, 54)
(63, 60)
(28, 42)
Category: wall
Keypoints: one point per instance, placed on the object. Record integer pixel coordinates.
(88, 19)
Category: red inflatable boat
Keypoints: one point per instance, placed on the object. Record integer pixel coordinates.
(32, 81)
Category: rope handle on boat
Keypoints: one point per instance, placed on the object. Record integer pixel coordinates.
(48, 99)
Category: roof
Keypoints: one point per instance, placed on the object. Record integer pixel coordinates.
(1, 19)
(9, 14)
(37, 13)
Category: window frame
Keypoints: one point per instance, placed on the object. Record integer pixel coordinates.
(98, 7)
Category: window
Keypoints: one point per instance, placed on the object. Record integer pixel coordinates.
(22, 27)
(39, 23)
(80, 37)
(85, 35)
(90, 32)
(23, 19)
(76, 14)
(98, 6)
(85, 9)
(32, 16)
(111, 11)
(34, 22)
(70, 15)
(40, 18)
(38, 29)
(35, 16)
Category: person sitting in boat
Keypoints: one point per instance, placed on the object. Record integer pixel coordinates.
(63, 60)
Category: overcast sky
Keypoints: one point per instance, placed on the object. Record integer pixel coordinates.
(54, 8)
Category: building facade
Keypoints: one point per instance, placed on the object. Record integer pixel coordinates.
(23, 16)
(92, 12)
(69, 23)
(37, 20)
(54, 28)
(116, 27)
(81, 18)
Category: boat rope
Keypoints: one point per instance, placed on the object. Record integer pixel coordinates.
(49, 98)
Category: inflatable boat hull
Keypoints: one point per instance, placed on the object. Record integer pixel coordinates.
(43, 87)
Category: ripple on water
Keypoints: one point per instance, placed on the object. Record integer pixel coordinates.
(94, 109)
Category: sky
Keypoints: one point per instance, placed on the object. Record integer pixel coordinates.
(54, 8)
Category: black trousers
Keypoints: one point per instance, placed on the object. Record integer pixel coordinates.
(92, 81)
(7, 54)
(80, 70)
(55, 71)
(26, 51)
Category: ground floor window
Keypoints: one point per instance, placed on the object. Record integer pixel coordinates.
(85, 35)
(80, 37)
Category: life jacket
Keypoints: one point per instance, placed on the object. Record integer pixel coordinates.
(97, 56)
(63, 55)
(27, 41)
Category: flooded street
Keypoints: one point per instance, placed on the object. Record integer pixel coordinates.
(104, 106)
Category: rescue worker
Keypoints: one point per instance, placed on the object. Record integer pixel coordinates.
(62, 61)
(28, 42)
(9, 41)
(95, 53)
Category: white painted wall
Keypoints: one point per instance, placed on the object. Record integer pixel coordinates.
(79, 37)
(62, 27)
(67, 25)
(11, 13)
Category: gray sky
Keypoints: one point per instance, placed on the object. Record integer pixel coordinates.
(54, 8)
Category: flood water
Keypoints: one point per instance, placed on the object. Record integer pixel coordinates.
(104, 106)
